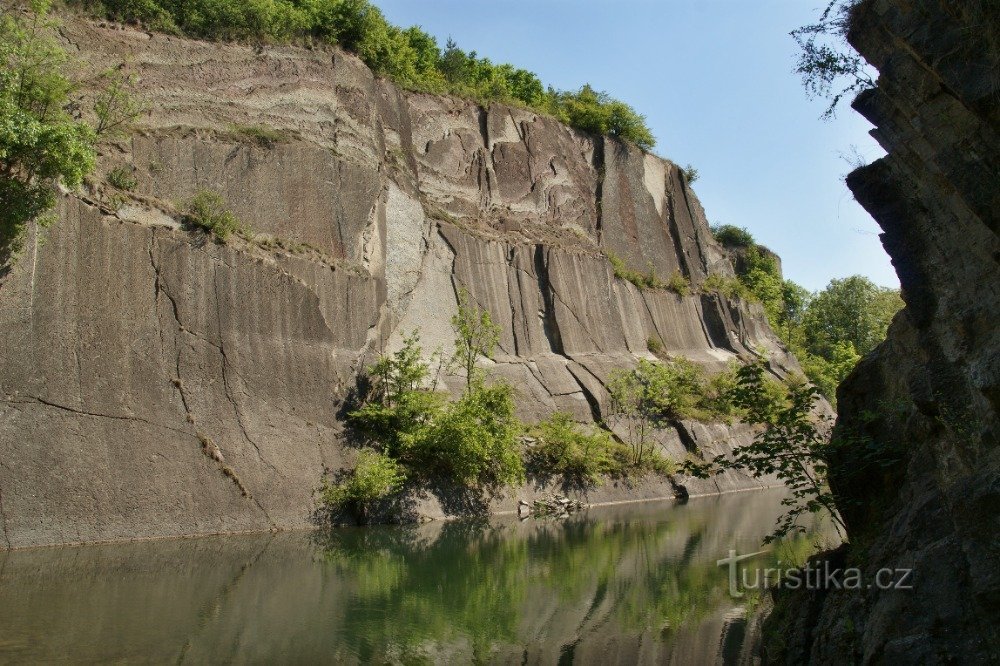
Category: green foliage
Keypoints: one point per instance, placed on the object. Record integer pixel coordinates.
(690, 174)
(398, 404)
(851, 310)
(677, 283)
(790, 445)
(475, 336)
(654, 394)
(375, 476)
(580, 455)
(654, 345)
(472, 440)
(41, 144)
(828, 332)
(595, 112)
(728, 287)
(123, 178)
(829, 67)
(207, 211)
(732, 236)
(266, 137)
(116, 106)
(409, 56)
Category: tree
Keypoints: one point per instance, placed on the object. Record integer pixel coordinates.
(690, 174)
(853, 310)
(475, 336)
(41, 144)
(792, 444)
(829, 67)
(116, 106)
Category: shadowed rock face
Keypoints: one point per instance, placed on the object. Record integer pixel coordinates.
(932, 390)
(155, 383)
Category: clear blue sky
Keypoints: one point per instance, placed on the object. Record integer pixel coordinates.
(714, 80)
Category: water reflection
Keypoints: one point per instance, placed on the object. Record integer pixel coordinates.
(629, 584)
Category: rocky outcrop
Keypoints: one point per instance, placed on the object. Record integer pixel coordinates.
(930, 394)
(156, 383)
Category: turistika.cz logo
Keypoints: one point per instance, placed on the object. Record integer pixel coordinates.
(808, 577)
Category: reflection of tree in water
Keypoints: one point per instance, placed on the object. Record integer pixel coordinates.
(473, 581)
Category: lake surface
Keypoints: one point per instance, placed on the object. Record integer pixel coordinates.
(633, 583)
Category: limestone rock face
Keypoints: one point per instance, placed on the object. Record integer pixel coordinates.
(155, 383)
(931, 392)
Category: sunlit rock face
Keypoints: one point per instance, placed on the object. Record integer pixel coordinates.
(156, 383)
(932, 390)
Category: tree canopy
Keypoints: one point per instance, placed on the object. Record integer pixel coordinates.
(41, 144)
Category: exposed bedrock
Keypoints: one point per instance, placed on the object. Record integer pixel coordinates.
(932, 390)
(156, 383)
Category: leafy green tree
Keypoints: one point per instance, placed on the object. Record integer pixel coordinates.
(41, 145)
(851, 310)
(476, 336)
(117, 106)
(398, 403)
(791, 444)
(691, 174)
(564, 447)
(732, 236)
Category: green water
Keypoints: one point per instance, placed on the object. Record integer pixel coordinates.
(628, 584)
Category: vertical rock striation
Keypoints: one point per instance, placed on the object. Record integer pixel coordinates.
(156, 383)
(931, 392)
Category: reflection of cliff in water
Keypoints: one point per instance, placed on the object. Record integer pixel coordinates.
(635, 583)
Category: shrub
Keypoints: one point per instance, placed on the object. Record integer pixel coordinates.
(207, 211)
(472, 440)
(116, 106)
(621, 270)
(266, 137)
(690, 174)
(564, 447)
(728, 287)
(732, 236)
(678, 284)
(123, 178)
(654, 345)
(397, 404)
(374, 476)
(475, 336)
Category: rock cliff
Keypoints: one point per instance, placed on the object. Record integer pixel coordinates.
(932, 390)
(156, 383)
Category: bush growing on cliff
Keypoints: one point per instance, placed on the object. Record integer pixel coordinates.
(375, 476)
(476, 336)
(732, 236)
(410, 57)
(207, 210)
(472, 440)
(564, 447)
(41, 144)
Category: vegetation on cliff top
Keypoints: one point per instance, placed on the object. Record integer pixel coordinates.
(409, 56)
(828, 331)
(41, 143)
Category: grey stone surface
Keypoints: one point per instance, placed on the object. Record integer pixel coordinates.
(930, 392)
(157, 383)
